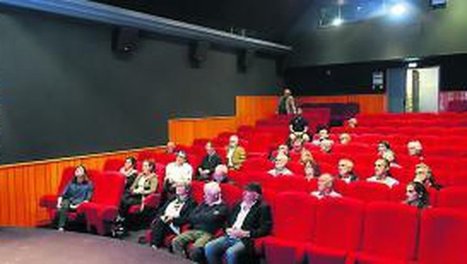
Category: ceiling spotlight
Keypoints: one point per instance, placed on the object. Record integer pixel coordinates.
(398, 9)
(337, 21)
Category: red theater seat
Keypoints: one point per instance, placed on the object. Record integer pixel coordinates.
(50, 201)
(368, 191)
(337, 231)
(453, 197)
(294, 223)
(108, 191)
(442, 237)
(113, 164)
(389, 234)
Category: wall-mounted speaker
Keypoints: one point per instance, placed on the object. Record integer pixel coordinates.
(125, 40)
(198, 53)
(246, 59)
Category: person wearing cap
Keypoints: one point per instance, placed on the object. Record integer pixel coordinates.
(250, 219)
(236, 155)
(204, 221)
(209, 163)
(179, 171)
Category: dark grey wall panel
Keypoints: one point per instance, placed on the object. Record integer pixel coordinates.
(63, 92)
(425, 33)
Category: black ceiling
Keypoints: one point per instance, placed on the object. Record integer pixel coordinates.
(266, 19)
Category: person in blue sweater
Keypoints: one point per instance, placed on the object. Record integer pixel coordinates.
(78, 191)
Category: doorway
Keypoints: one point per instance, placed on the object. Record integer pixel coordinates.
(422, 90)
(413, 90)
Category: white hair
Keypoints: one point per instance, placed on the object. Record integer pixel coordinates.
(415, 144)
(212, 187)
(234, 138)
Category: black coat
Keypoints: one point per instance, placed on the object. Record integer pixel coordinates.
(258, 222)
(188, 207)
(210, 163)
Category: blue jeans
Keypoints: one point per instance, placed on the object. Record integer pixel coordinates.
(232, 247)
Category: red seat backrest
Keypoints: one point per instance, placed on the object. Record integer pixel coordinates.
(108, 188)
(453, 197)
(294, 216)
(113, 164)
(368, 191)
(339, 223)
(442, 236)
(231, 194)
(390, 230)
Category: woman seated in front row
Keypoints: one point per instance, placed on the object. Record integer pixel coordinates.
(129, 171)
(417, 195)
(173, 214)
(144, 185)
(78, 191)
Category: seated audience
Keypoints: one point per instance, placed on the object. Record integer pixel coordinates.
(283, 149)
(310, 166)
(236, 155)
(144, 185)
(286, 103)
(179, 171)
(384, 148)
(385, 152)
(352, 122)
(298, 127)
(344, 139)
(220, 174)
(171, 148)
(415, 149)
(249, 220)
(326, 145)
(172, 215)
(323, 134)
(345, 170)
(77, 192)
(382, 174)
(297, 147)
(325, 187)
(424, 175)
(129, 171)
(417, 195)
(280, 167)
(311, 170)
(209, 163)
(205, 220)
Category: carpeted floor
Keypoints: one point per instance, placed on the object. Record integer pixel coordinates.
(49, 246)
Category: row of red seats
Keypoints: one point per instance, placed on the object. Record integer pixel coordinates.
(108, 191)
(349, 231)
(451, 197)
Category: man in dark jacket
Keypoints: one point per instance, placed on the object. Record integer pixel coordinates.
(172, 215)
(249, 220)
(209, 163)
(205, 221)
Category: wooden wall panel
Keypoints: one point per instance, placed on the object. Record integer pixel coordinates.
(250, 109)
(185, 130)
(369, 103)
(22, 185)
